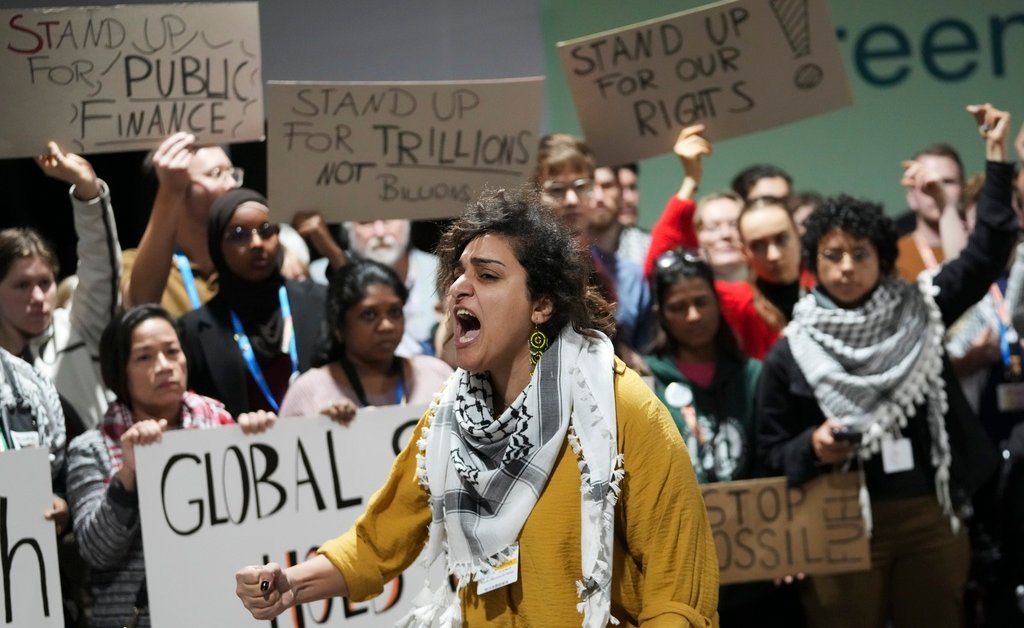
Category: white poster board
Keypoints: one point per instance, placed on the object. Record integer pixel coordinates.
(30, 577)
(107, 79)
(737, 67)
(213, 501)
(362, 151)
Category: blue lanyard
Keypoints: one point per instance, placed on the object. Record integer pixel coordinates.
(250, 356)
(1007, 334)
(400, 389)
(181, 261)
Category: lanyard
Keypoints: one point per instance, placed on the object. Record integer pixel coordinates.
(357, 385)
(1007, 334)
(181, 261)
(287, 338)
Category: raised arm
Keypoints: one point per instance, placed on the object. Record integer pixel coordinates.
(963, 281)
(928, 181)
(675, 225)
(98, 295)
(152, 264)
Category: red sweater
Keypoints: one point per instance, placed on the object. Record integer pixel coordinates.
(675, 229)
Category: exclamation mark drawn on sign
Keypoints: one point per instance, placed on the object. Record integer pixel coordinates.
(796, 25)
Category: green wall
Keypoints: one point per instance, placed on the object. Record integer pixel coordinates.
(945, 55)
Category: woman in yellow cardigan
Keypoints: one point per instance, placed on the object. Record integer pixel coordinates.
(550, 478)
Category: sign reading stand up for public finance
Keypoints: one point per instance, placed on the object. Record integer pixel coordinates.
(737, 67)
(213, 501)
(107, 79)
(363, 151)
(764, 529)
(30, 576)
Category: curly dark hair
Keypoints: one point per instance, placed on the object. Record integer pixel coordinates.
(671, 267)
(116, 346)
(348, 287)
(556, 264)
(861, 219)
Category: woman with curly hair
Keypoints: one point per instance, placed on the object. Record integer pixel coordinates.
(544, 459)
(861, 378)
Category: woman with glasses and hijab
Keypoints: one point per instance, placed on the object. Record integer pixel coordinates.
(260, 331)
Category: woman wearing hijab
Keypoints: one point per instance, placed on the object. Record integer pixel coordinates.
(861, 378)
(260, 331)
(546, 471)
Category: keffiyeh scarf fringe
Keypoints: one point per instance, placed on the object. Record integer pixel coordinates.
(576, 372)
(872, 367)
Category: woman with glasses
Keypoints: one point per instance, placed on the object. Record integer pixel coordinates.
(260, 331)
(716, 221)
(861, 379)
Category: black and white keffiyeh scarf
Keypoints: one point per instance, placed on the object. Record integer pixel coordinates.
(872, 366)
(484, 474)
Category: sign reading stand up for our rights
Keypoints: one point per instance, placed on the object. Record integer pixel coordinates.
(737, 67)
(107, 79)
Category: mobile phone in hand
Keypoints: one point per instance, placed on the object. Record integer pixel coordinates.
(847, 434)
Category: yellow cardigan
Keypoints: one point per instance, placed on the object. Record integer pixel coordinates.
(665, 570)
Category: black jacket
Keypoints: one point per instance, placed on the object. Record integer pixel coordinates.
(788, 412)
(215, 365)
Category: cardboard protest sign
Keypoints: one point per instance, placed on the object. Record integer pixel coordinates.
(362, 151)
(737, 67)
(30, 585)
(765, 530)
(213, 501)
(106, 79)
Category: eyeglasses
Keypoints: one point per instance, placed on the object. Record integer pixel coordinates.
(558, 191)
(242, 236)
(858, 255)
(235, 173)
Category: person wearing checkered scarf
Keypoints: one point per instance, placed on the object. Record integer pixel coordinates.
(546, 479)
(861, 380)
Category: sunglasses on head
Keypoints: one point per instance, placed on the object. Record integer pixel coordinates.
(676, 257)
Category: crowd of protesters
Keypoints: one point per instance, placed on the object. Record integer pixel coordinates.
(786, 334)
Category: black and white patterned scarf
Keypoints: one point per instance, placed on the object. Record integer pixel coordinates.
(872, 366)
(484, 474)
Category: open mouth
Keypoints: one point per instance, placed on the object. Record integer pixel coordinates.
(467, 326)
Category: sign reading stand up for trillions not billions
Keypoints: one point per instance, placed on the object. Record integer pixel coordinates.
(363, 151)
(108, 79)
(737, 67)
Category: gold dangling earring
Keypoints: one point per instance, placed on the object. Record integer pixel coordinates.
(538, 343)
